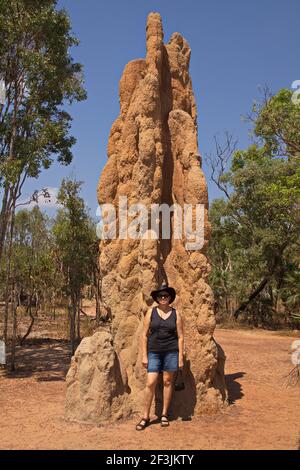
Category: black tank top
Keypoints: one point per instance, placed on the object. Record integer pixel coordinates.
(163, 333)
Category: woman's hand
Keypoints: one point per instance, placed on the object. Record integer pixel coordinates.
(180, 362)
(145, 361)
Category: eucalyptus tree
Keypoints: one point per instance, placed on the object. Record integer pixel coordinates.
(75, 240)
(39, 77)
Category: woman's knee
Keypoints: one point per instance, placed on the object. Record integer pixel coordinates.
(167, 382)
(151, 384)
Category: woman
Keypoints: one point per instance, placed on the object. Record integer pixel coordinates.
(162, 350)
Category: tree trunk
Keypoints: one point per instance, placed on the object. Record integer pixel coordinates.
(7, 286)
(263, 283)
(226, 306)
(22, 340)
(53, 300)
(4, 218)
(14, 329)
(8, 272)
(78, 320)
(6, 310)
(254, 294)
(72, 317)
(97, 297)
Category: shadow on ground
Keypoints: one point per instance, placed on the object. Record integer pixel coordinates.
(234, 387)
(48, 360)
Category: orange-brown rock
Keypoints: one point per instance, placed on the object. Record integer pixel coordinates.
(153, 157)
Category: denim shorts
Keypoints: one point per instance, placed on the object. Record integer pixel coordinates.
(163, 361)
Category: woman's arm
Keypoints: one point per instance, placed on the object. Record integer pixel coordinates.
(180, 333)
(145, 338)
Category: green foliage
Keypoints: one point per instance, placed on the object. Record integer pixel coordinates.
(33, 253)
(40, 76)
(75, 238)
(278, 125)
(53, 258)
(33, 263)
(256, 226)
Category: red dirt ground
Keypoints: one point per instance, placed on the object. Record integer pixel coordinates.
(264, 412)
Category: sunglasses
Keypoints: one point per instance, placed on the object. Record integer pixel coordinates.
(163, 296)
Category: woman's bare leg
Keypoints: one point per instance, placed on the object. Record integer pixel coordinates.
(168, 388)
(149, 392)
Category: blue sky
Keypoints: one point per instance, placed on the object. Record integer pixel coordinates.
(236, 46)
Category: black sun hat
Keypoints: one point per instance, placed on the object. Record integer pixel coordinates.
(164, 287)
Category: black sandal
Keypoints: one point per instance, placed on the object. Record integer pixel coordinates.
(164, 422)
(142, 424)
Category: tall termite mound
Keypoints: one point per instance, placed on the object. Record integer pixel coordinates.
(153, 158)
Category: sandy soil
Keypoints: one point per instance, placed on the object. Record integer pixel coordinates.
(264, 411)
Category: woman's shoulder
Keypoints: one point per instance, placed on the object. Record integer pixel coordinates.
(149, 312)
(177, 312)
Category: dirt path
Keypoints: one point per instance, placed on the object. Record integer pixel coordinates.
(264, 412)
